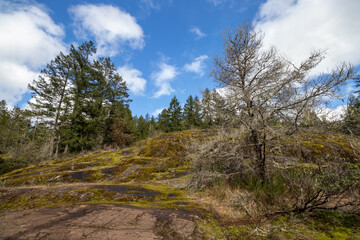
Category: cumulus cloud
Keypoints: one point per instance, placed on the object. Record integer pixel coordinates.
(197, 66)
(297, 27)
(29, 39)
(163, 78)
(133, 79)
(110, 26)
(14, 79)
(199, 34)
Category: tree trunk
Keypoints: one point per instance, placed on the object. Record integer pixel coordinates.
(259, 149)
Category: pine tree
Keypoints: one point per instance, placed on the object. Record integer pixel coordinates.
(80, 133)
(197, 112)
(153, 127)
(175, 115)
(51, 93)
(219, 109)
(142, 128)
(81, 99)
(352, 116)
(192, 113)
(164, 121)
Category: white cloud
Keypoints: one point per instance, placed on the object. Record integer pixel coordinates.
(28, 35)
(197, 66)
(29, 39)
(297, 27)
(157, 112)
(110, 26)
(14, 79)
(199, 34)
(332, 114)
(133, 79)
(216, 2)
(149, 5)
(163, 78)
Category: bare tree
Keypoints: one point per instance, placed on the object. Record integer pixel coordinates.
(262, 86)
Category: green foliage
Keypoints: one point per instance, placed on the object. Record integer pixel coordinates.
(21, 141)
(141, 128)
(119, 132)
(8, 164)
(174, 113)
(80, 99)
(170, 119)
(352, 116)
(191, 113)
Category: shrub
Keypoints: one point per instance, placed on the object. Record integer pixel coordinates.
(293, 183)
(329, 186)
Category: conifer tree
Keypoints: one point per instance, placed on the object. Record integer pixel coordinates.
(191, 113)
(51, 94)
(175, 115)
(352, 116)
(163, 121)
(80, 98)
(142, 128)
(153, 127)
(197, 112)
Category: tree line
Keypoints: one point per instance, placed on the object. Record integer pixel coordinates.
(80, 102)
(205, 112)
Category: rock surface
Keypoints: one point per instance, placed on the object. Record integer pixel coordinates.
(98, 222)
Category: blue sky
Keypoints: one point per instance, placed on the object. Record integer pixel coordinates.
(164, 48)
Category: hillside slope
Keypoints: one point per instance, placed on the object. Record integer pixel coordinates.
(139, 192)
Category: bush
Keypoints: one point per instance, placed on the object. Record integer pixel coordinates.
(8, 164)
(327, 186)
(224, 157)
(292, 184)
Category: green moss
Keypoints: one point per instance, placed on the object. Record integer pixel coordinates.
(171, 146)
(310, 147)
(237, 232)
(341, 233)
(318, 225)
(315, 147)
(212, 229)
(141, 175)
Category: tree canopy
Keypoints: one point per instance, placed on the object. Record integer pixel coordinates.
(79, 98)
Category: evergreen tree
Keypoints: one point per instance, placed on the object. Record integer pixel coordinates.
(82, 99)
(80, 134)
(120, 133)
(51, 94)
(197, 112)
(164, 121)
(352, 116)
(192, 113)
(153, 127)
(175, 116)
(220, 109)
(142, 128)
(5, 120)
